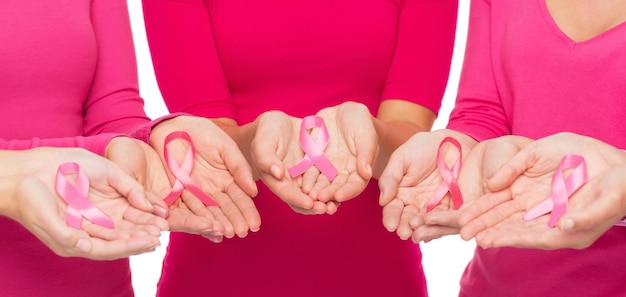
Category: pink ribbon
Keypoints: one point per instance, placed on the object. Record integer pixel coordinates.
(314, 149)
(562, 189)
(182, 172)
(75, 195)
(450, 176)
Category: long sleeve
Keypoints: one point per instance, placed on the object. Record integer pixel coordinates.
(185, 58)
(113, 103)
(478, 111)
(425, 41)
(95, 144)
(115, 83)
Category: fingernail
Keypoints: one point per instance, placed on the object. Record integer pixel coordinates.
(567, 224)
(369, 170)
(275, 171)
(160, 211)
(83, 245)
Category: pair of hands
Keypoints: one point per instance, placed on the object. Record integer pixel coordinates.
(35, 205)
(501, 179)
(130, 190)
(352, 148)
(219, 169)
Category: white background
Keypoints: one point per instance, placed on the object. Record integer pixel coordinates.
(444, 259)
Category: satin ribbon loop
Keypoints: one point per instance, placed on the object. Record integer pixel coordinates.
(450, 176)
(75, 195)
(182, 171)
(314, 149)
(562, 189)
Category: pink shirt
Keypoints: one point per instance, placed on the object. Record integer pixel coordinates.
(524, 76)
(237, 59)
(67, 70)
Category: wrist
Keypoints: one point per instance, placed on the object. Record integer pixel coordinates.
(8, 198)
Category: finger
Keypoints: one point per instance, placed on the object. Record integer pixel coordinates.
(404, 227)
(516, 233)
(222, 219)
(266, 153)
(128, 187)
(214, 237)
(289, 193)
(602, 214)
(391, 214)
(122, 230)
(491, 218)
(241, 171)
(332, 207)
(326, 190)
(426, 233)
(366, 148)
(160, 207)
(232, 213)
(448, 218)
(182, 219)
(139, 217)
(110, 250)
(391, 177)
(480, 207)
(351, 188)
(198, 208)
(319, 207)
(312, 182)
(303, 211)
(246, 206)
(510, 171)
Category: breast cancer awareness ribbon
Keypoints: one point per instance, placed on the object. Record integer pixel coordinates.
(75, 195)
(182, 171)
(314, 149)
(562, 189)
(450, 176)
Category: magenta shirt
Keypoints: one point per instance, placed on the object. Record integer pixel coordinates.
(237, 59)
(523, 76)
(67, 78)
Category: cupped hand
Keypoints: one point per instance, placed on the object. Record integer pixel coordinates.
(411, 178)
(527, 176)
(275, 148)
(478, 166)
(37, 207)
(220, 169)
(144, 164)
(352, 148)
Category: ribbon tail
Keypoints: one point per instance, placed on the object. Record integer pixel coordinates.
(96, 216)
(540, 209)
(325, 166)
(301, 167)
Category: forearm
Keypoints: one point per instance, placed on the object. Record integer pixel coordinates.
(8, 184)
(391, 135)
(395, 123)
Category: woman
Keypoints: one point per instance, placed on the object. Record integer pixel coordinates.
(256, 68)
(532, 69)
(68, 79)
